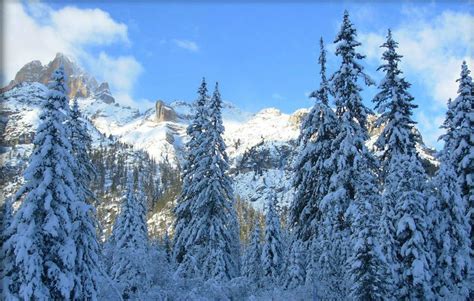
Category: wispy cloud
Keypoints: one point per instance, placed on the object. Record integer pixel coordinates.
(433, 49)
(36, 31)
(277, 96)
(186, 44)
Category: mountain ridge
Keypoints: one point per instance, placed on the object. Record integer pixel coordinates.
(261, 146)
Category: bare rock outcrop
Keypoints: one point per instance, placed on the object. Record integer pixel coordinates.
(164, 112)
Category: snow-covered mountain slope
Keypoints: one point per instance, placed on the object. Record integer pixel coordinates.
(261, 146)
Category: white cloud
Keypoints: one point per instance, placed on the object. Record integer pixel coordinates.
(126, 100)
(187, 44)
(87, 26)
(433, 50)
(35, 31)
(114, 71)
(277, 96)
(429, 126)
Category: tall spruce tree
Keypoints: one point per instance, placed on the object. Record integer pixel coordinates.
(348, 157)
(129, 259)
(8, 273)
(397, 141)
(87, 264)
(188, 193)
(41, 233)
(395, 106)
(272, 250)
(252, 264)
(311, 178)
(295, 273)
(461, 143)
(451, 222)
(81, 147)
(367, 267)
(213, 239)
(406, 184)
(344, 82)
(451, 234)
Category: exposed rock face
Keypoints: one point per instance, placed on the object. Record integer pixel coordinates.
(103, 93)
(31, 72)
(164, 113)
(80, 84)
(296, 119)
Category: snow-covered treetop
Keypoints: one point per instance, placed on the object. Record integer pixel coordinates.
(322, 94)
(465, 81)
(395, 104)
(215, 119)
(344, 81)
(57, 89)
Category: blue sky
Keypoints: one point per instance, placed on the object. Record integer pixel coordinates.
(262, 53)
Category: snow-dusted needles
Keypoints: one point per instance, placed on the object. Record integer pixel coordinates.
(204, 202)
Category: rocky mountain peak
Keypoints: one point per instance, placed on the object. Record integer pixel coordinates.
(164, 112)
(298, 116)
(269, 111)
(80, 83)
(31, 72)
(103, 92)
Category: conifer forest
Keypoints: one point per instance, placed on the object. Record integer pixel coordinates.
(355, 207)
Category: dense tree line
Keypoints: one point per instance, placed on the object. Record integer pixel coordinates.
(361, 226)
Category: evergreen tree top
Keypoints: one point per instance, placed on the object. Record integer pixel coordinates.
(215, 106)
(200, 115)
(202, 91)
(347, 34)
(57, 90)
(390, 55)
(215, 125)
(322, 94)
(344, 84)
(465, 81)
(395, 104)
(57, 76)
(448, 127)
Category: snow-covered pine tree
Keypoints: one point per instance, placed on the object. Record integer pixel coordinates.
(272, 250)
(461, 143)
(451, 233)
(395, 105)
(252, 263)
(87, 264)
(312, 268)
(188, 193)
(447, 126)
(344, 84)
(367, 267)
(129, 266)
(81, 146)
(295, 275)
(41, 233)
(311, 178)
(213, 231)
(7, 257)
(406, 184)
(348, 156)
(451, 225)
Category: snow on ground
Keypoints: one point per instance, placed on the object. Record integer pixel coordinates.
(269, 124)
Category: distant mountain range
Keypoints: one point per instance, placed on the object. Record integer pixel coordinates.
(261, 146)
